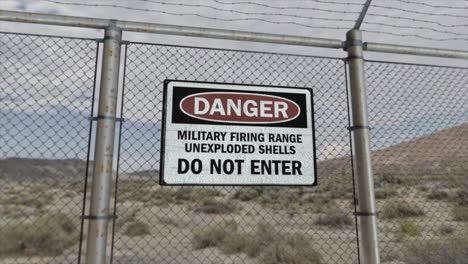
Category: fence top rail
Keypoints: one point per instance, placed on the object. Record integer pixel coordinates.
(233, 50)
(87, 22)
(413, 50)
(49, 36)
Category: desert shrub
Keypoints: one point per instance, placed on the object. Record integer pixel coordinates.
(165, 196)
(30, 199)
(269, 245)
(128, 217)
(271, 197)
(290, 248)
(437, 195)
(168, 221)
(462, 198)
(273, 247)
(213, 235)
(247, 193)
(453, 251)
(384, 193)
(137, 228)
(391, 178)
(401, 210)
(48, 235)
(216, 207)
(234, 243)
(264, 235)
(410, 228)
(201, 195)
(334, 218)
(16, 212)
(446, 230)
(460, 213)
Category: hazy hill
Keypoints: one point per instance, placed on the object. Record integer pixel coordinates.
(442, 152)
(32, 169)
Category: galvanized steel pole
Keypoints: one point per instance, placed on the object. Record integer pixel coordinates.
(99, 215)
(362, 155)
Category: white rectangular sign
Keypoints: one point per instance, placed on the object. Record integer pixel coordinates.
(236, 134)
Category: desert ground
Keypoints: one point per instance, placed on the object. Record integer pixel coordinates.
(422, 205)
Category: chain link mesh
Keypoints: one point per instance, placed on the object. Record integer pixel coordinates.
(419, 116)
(232, 224)
(46, 93)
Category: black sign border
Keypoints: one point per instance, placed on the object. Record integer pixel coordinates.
(162, 148)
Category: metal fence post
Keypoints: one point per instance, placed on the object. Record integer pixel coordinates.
(99, 215)
(362, 155)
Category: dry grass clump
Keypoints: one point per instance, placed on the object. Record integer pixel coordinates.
(136, 228)
(453, 251)
(267, 245)
(401, 210)
(165, 196)
(384, 193)
(460, 210)
(292, 199)
(390, 177)
(272, 197)
(128, 217)
(437, 195)
(48, 235)
(410, 228)
(446, 230)
(213, 235)
(334, 218)
(212, 206)
(248, 193)
(460, 213)
(461, 198)
(290, 249)
(28, 198)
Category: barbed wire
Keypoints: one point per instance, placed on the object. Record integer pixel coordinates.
(457, 35)
(243, 12)
(419, 20)
(413, 27)
(289, 7)
(417, 12)
(196, 15)
(432, 5)
(246, 3)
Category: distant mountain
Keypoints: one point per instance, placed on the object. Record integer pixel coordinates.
(442, 152)
(35, 169)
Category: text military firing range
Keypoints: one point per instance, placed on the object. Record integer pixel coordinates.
(239, 137)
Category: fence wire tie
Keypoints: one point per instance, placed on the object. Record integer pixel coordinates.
(95, 118)
(350, 43)
(364, 213)
(98, 217)
(352, 128)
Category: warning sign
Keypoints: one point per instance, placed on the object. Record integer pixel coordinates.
(236, 134)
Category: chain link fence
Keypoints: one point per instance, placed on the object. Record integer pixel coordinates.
(419, 116)
(46, 97)
(419, 120)
(232, 224)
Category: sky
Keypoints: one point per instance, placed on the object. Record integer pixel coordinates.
(393, 16)
(53, 122)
